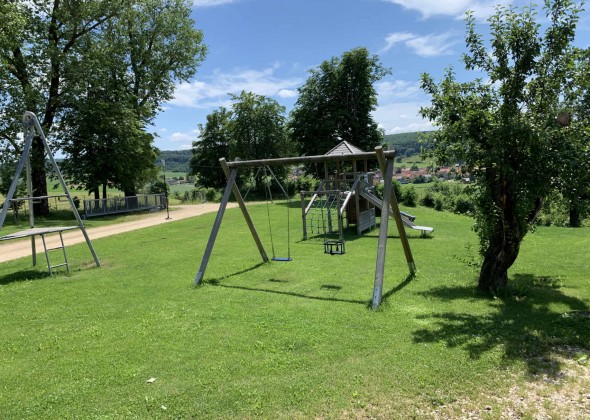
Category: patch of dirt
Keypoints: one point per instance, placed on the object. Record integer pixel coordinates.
(10, 250)
(547, 395)
(564, 394)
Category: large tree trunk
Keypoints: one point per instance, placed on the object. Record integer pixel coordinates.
(575, 217)
(38, 177)
(504, 245)
(498, 258)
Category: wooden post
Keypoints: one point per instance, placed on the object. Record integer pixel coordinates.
(244, 210)
(340, 224)
(357, 199)
(303, 215)
(382, 246)
(215, 230)
(395, 210)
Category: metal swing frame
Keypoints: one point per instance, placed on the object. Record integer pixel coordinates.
(32, 129)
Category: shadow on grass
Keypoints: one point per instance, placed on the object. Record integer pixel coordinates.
(294, 294)
(523, 324)
(22, 276)
(216, 281)
(332, 287)
(397, 288)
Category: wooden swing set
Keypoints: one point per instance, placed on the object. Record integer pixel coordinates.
(385, 159)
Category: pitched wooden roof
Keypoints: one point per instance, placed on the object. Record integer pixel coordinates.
(344, 148)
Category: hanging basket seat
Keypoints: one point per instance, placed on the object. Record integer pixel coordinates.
(334, 247)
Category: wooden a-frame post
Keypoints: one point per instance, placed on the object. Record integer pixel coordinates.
(389, 199)
(231, 186)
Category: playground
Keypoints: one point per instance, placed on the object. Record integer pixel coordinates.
(283, 322)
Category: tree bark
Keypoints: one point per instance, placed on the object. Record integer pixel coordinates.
(38, 177)
(504, 245)
(575, 217)
(498, 258)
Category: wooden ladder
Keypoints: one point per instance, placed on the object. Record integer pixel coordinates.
(47, 250)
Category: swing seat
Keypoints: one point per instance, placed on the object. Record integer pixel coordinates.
(282, 259)
(334, 247)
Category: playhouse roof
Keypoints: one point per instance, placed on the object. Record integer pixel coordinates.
(344, 148)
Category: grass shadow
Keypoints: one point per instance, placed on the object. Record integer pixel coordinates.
(293, 294)
(23, 276)
(523, 324)
(215, 281)
(399, 287)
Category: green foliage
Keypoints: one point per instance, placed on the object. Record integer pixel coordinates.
(410, 196)
(305, 183)
(106, 146)
(336, 102)
(198, 195)
(59, 58)
(446, 196)
(158, 186)
(254, 128)
(176, 160)
(574, 179)
(406, 144)
(213, 145)
(504, 128)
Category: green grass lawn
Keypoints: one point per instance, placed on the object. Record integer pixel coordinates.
(285, 340)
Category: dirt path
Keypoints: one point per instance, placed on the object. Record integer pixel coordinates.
(10, 250)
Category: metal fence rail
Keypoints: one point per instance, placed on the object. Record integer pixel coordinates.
(104, 206)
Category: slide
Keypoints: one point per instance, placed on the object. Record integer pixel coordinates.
(407, 222)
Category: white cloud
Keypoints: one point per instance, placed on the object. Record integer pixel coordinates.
(213, 91)
(396, 89)
(184, 137)
(287, 93)
(454, 8)
(211, 3)
(425, 46)
(398, 117)
(396, 38)
(432, 45)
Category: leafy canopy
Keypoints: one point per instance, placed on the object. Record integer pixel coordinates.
(336, 102)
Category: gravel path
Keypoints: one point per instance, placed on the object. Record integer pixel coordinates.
(10, 250)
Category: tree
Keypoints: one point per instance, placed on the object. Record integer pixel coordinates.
(213, 144)
(574, 179)
(254, 128)
(504, 128)
(336, 102)
(105, 143)
(257, 128)
(52, 52)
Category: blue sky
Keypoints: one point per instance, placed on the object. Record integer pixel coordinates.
(268, 47)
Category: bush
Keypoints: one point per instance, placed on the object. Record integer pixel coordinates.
(211, 194)
(427, 200)
(446, 196)
(306, 183)
(409, 196)
(397, 190)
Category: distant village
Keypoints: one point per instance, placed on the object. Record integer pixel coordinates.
(417, 175)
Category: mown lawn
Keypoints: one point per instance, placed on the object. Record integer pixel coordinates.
(295, 339)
